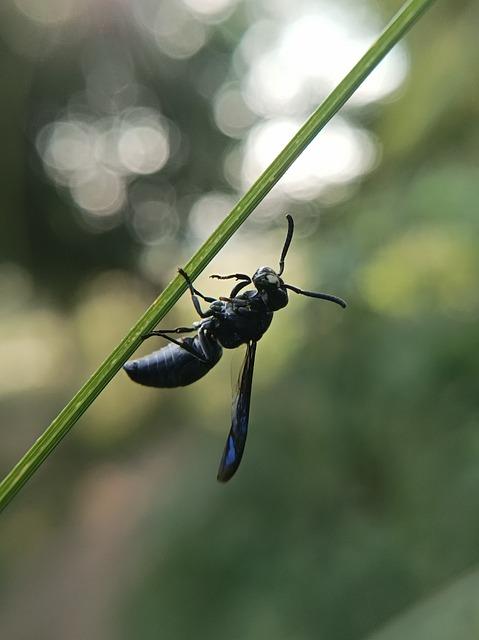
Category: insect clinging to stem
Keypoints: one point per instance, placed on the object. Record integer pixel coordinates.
(240, 318)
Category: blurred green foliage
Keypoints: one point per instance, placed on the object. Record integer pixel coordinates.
(356, 497)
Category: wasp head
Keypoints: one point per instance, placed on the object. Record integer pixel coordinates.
(266, 278)
(270, 286)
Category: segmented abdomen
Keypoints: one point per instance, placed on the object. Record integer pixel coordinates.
(171, 366)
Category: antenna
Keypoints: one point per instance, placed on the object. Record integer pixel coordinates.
(287, 242)
(313, 294)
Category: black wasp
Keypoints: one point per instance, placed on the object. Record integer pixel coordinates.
(241, 318)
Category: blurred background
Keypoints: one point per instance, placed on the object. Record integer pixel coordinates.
(128, 130)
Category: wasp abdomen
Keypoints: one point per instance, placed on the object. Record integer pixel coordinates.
(171, 366)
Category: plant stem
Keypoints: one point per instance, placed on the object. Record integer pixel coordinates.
(60, 426)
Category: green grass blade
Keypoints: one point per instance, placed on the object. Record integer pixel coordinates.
(60, 426)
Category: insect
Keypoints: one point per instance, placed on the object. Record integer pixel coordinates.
(240, 318)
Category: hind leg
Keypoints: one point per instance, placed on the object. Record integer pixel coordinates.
(161, 332)
(206, 351)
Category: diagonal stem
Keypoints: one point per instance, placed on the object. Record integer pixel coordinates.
(61, 425)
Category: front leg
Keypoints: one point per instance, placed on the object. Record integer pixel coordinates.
(194, 293)
(236, 276)
(242, 277)
(237, 288)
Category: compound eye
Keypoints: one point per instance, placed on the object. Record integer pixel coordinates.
(261, 272)
(264, 273)
(272, 278)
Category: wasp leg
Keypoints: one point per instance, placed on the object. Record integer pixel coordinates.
(205, 341)
(237, 276)
(194, 294)
(245, 281)
(237, 288)
(194, 352)
(209, 344)
(161, 332)
(205, 298)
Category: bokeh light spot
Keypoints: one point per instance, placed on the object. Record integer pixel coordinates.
(309, 55)
(211, 10)
(207, 212)
(101, 192)
(340, 154)
(143, 149)
(154, 222)
(66, 146)
(232, 115)
(48, 12)
(178, 34)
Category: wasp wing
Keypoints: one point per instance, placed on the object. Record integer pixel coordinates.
(239, 419)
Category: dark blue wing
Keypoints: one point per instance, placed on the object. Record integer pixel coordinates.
(239, 420)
